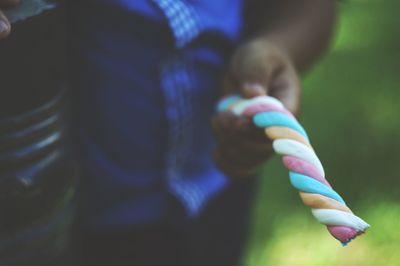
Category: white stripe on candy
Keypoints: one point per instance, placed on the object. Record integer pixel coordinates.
(336, 217)
(343, 225)
(299, 150)
(239, 108)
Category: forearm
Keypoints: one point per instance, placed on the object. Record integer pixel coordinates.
(302, 28)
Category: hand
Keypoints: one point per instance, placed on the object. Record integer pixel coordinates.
(5, 26)
(258, 68)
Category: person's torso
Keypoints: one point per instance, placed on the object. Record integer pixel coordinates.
(144, 93)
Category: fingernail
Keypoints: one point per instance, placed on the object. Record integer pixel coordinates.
(3, 26)
(254, 89)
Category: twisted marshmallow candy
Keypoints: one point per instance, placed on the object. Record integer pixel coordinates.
(305, 169)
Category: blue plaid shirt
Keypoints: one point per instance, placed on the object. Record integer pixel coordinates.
(145, 78)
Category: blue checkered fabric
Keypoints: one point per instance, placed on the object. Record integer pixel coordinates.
(178, 81)
(182, 19)
(158, 64)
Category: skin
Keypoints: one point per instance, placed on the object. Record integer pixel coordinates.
(287, 36)
(5, 26)
(297, 32)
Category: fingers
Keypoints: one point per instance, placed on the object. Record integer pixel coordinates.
(258, 68)
(242, 147)
(285, 86)
(231, 128)
(5, 26)
(244, 156)
(232, 170)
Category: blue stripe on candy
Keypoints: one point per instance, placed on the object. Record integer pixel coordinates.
(310, 185)
(224, 104)
(269, 119)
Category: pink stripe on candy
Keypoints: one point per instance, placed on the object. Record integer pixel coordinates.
(342, 233)
(264, 107)
(297, 165)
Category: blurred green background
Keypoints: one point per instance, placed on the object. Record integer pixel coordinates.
(351, 109)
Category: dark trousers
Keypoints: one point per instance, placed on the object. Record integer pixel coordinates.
(216, 237)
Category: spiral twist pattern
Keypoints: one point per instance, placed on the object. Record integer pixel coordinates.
(305, 169)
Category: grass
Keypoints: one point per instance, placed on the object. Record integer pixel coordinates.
(350, 108)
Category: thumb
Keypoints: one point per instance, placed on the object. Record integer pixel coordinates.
(251, 90)
(285, 86)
